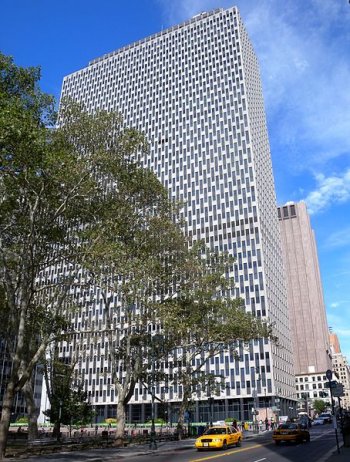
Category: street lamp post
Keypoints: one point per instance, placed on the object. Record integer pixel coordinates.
(211, 387)
(153, 443)
(60, 402)
(255, 423)
(157, 344)
(329, 374)
(211, 402)
(256, 402)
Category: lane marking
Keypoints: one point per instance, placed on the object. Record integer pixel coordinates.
(216, 456)
(263, 443)
(259, 460)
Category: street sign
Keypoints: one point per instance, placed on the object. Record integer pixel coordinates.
(338, 391)
(329, 374)
(332, 384)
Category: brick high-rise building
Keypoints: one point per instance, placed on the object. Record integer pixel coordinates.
(194, 90)
(311, 347)
(334, 342)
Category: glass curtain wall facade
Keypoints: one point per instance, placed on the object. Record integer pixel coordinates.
(195, 91)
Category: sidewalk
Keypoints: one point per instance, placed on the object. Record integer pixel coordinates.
(333, 456)
(111, 454)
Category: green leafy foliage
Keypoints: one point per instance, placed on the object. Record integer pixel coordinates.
(69, 404)
(202, 319)
(70, 407)
(77, 212)
(319, 405)
(22, 420)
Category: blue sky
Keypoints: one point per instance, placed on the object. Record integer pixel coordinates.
(304, 52)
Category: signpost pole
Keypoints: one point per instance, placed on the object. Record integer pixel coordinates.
(329, 377)
(341, 416)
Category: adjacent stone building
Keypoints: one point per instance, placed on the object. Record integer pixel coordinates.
(311, 346)
(341, 368)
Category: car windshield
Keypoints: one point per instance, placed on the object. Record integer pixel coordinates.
(291, 426)
(215, 431)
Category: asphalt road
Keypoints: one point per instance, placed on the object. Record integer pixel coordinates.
(261, 449)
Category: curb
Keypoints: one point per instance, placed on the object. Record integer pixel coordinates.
(137, 454)
(330, 453)
(140, 453)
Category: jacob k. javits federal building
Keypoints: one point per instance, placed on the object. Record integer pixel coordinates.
(194, 90)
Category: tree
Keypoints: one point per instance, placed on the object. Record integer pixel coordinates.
(69, 403)
(24, 110)
(75, 204)
(142, 250)
(203, 319)
(319, 405)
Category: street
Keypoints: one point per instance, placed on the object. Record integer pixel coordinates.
(263, 450)
(259, 449)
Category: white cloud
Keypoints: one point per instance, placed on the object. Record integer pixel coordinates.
(305, 78)
(339, 238)
(334, 305)
(330, 190)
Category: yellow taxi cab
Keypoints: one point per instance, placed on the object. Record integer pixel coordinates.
(291, 432)
(218, 437)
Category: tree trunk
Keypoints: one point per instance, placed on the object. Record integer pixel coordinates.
(56, 432)
(6, 416)
(32, 411)
(183, 407)
(119, 436)
(181, 419)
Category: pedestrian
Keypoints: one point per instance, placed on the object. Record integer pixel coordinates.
(266, 424)
(235, 425)
(272, 423)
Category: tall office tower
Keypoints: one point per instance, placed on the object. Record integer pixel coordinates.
(194, 90)
(311, 347)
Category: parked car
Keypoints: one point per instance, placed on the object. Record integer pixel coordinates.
(326, 416)
(318, 421)
(291, 432)
(219, 437)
